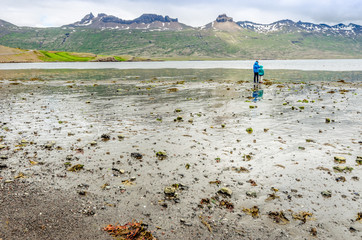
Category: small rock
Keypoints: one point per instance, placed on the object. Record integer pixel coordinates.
(161, 155)
(226, 191)
(76, 168)
(3, 157)
(341, 179)
(359, 160)
(251, 194)
(83, 185)
(105, 137)
(170, 191)
(3, 166)
(342, 169)
(136, 155)
(178, 119)
(313, 232)
(82, 193)
(327, 194)
(183, 221)
(340, 159)
(121, 171)
(49, 145)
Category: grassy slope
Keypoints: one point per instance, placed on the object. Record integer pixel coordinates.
(64, 57)
(8, 54)
(187, 44)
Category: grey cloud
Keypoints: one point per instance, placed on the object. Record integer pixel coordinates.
(191, 12)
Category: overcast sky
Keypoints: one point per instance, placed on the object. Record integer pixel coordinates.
(54, 13)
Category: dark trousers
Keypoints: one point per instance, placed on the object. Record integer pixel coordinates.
(256, 77)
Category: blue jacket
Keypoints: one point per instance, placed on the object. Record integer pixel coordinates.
(256, 67)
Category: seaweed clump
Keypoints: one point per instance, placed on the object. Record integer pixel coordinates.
(130, 231)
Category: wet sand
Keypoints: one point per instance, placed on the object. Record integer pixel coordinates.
(52, 120)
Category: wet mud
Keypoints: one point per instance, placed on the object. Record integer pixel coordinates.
(192, 154)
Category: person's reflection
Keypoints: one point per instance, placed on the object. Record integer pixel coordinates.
(257, 92)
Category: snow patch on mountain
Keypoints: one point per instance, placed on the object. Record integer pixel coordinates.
(290, 26)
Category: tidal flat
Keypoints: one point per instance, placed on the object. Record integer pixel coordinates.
(193, 154)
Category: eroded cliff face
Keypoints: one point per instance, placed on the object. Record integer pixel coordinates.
(145, 21)
(224, 18)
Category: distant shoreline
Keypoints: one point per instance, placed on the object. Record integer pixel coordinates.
(333, 65)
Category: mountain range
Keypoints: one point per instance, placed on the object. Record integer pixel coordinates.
(153, 21)
(152, 35)
(145, 21)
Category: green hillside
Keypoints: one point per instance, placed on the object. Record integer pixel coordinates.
(185, 44)
(8, 54)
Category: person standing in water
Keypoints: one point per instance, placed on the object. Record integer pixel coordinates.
(256, 72)
(261, 73)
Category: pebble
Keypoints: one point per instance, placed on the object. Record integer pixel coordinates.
(226, 191)
(3, 166)
(169, 190)
(326, 194)
(251, 194)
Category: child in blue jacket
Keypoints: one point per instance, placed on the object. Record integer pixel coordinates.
(261, 73)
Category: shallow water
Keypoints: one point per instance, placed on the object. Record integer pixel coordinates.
(305, 65)
(233, 75)
(75, 107)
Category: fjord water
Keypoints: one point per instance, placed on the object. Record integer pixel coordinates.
(198, 117)
(306, 65)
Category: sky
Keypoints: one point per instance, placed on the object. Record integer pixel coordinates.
(55, 13)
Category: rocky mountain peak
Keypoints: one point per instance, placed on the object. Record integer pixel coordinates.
(145, 21)
(223, 23)
(87, 18)
(224, 18)
(149, 18)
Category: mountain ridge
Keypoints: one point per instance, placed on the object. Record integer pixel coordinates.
(290, 26)
(159, 22)
(161, 37)
(145, 21)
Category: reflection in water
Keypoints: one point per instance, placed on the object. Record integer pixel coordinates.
(257, 93)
